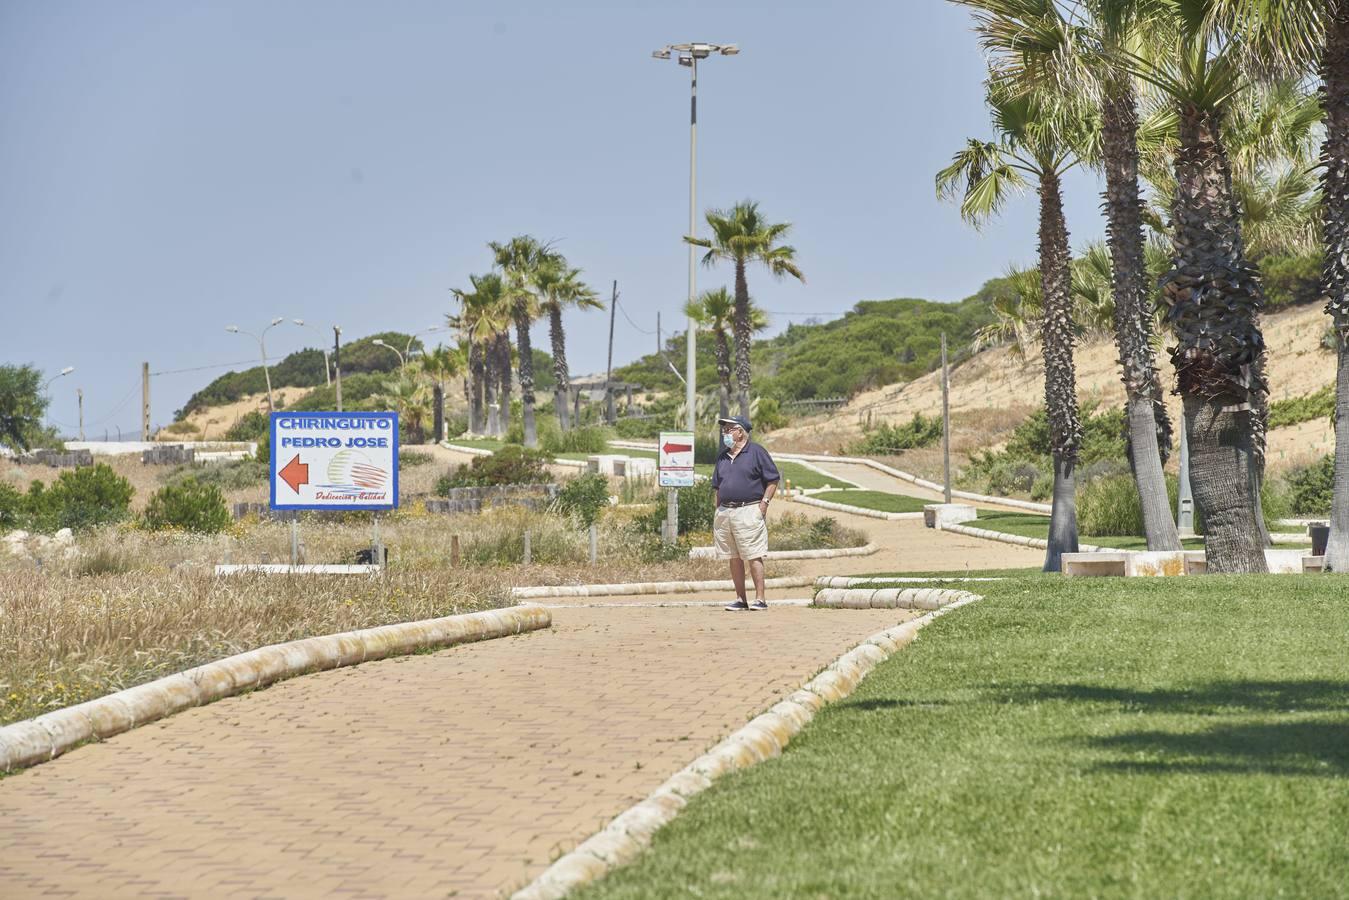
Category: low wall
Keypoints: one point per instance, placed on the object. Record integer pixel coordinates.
(473, 499)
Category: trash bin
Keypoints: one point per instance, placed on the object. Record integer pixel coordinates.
(1320, 534)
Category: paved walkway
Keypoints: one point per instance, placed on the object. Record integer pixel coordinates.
(459, 773)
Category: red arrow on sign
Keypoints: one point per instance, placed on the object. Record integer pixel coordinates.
(677, 448)
(295, 473)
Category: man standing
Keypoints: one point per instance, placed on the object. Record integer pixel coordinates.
(744, 481)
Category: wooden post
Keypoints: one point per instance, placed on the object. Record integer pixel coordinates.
(594, 542)
(454, 551)
(671, 515)
(438, 412)
(528, 555)
(945, 420)
(145, 401)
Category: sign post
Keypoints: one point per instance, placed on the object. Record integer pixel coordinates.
(336, 461)
(676, 470)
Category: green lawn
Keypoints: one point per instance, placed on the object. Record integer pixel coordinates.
(1037, 526)
(1061, 737)
(877, 500)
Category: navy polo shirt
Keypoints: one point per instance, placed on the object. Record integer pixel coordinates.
(746, 477)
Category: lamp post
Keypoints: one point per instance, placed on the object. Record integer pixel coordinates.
(262, 346)
(66, 371)
(407, 351)
(689, 54)
(327, 375)
(402, 360)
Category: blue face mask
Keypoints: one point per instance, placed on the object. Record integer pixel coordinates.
(728, 441)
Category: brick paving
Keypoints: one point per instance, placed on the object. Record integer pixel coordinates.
(460, 773)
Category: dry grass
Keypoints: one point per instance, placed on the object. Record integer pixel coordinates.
(132, 605)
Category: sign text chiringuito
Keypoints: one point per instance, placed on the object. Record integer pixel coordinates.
(334, 460)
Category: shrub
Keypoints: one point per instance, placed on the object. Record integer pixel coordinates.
(707, 446)
(189, 506)
(512, 464)
(250, 427)
(639, 429)
(1291, 279)
(410, 459)
(12, 509)
(790, 531)
(589, 439)
(183, 428)
(264, 451)
(1109, 507)
(83, 498)
(768, 415)
(920, 431)
(1316, 405)
(696, 511)
(584, 497)
(235, 475)
(1311, 487)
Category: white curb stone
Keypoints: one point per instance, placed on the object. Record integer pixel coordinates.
(864, 550)
(646, 587)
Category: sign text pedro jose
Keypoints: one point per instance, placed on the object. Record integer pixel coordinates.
(334, 460)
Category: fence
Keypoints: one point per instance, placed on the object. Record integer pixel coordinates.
(58, 459)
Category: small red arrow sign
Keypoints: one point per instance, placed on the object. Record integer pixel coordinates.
(295, 473)
(677, 448)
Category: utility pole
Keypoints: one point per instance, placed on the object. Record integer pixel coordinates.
(79, 396)
(660, 344)
(145, 401)
(945, 420)
(609, 371)
(337, 364)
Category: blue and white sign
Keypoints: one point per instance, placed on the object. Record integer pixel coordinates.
(334, 460)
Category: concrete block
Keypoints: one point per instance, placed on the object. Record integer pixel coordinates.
(1153, 564)
(1313, 564)
(1078, 565)
(1284, 562)
(939, 515)
(28, 742)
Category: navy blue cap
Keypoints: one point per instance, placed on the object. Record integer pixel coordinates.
(737, 420)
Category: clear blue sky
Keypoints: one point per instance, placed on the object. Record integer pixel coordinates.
(169, 168)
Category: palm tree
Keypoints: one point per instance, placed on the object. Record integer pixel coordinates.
(740, 236)
(482, 321)
(1036, 139)
(410, 399)
(1212, 291)
(1292, 36)
(519, 259)
(560, 286)
(440, 365)
(1033, 47)
(715, 311)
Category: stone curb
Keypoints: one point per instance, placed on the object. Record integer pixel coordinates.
(460, 448)
(1022, 540)
(286, 569)
(864, 550)
(896, 473)
(646, 587)
(38, 740)
(855, 510)
(763, 737)
(845, 581)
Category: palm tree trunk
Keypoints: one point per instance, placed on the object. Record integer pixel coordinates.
(1214, 296)
(561, 377)
(1065, 427)
(1149, 426)
(473, 387)
(503, 349)
(526, 374)
(723, 369)
(490, 384)
(1335, 271)
(742, 337)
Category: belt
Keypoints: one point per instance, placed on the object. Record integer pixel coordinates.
(736, 504)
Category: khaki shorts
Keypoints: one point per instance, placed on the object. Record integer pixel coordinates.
(740, 533)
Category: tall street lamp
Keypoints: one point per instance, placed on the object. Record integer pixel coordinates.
(66, 371)
(327, 376)
(262, 346)
(402, 360)
(688, 55)
(407, 351)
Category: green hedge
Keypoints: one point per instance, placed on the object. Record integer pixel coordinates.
(190, 505)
